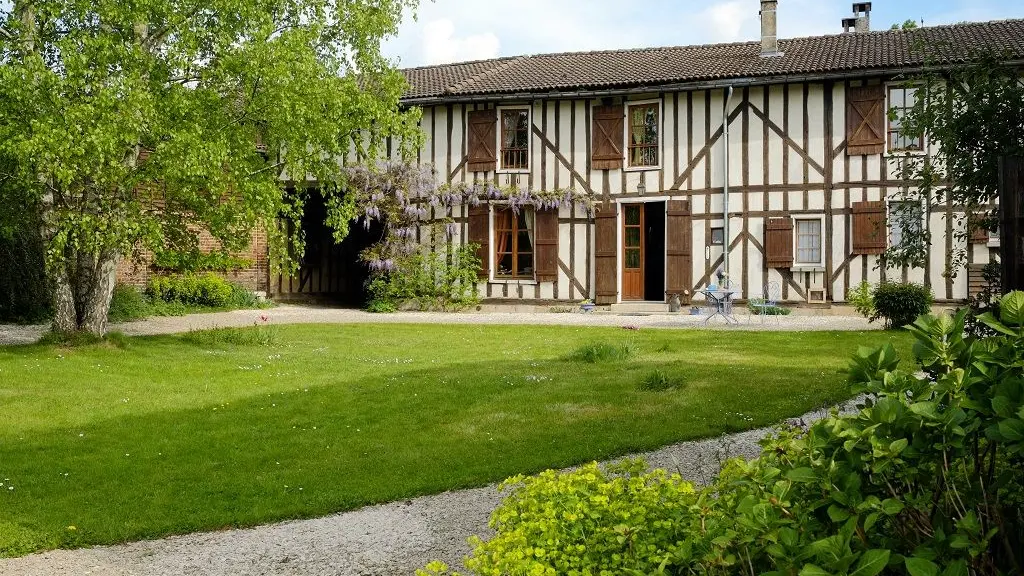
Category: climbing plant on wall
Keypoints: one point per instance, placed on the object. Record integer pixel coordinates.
(403, 196)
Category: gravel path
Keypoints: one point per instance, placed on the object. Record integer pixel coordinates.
(384, 540)
(290, 314)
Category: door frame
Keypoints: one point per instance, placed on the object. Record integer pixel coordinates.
(619, 240)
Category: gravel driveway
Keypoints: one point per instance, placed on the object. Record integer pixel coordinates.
(389, 539)
(291, 314)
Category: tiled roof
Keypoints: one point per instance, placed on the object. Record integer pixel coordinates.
(620, 69)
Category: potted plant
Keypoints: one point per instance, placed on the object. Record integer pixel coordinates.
(587, 305)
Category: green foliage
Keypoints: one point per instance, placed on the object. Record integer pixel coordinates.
(196, 261)
(129, 304)
(261, 334)
(659, 381)
(908, 24)
(601, 352)
(24, 293)
(971, 117)
(862, 299)
(224, 98)
(430, 278)
(206, 290)
(925, 479)
(754, 305)
(900, 303)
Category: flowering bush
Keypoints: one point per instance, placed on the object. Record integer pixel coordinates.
(431, 278)
(926, 479)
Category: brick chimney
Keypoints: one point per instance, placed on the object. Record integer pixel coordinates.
(861, 21)
(769, 28)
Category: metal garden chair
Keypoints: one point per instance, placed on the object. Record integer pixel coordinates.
(771, 296)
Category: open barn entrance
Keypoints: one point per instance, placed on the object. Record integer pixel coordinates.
(329, 273)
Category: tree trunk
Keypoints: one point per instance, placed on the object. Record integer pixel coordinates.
(65, 314)
(96, 295)
(82, 299)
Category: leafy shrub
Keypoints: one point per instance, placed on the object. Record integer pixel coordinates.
(128, 304)
(244, 299)
(900, 303)
(925, 479)
(191, 261)
(24, 292)
(617, 522)
(381, 306)
(861, 299)
(206, 290)
(754, 306)
(601, 352)
(659, 381)
(431, 278)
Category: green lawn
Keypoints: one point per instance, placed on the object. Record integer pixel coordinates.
(175, 434)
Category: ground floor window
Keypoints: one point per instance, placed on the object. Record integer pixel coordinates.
(808, 242)
(905, 221)
(513, 244)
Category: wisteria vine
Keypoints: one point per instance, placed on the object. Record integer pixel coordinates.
(399, 195)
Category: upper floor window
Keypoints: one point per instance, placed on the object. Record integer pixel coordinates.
(643, 134)
(515, 139)
(901, 100)
(513, 243)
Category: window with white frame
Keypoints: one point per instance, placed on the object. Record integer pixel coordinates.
(906, 220)
(515, 139)
(807, 239)
(643, 121)
(901, 100)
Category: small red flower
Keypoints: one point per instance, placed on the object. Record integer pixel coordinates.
(264, 318)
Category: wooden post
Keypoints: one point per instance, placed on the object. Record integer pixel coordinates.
(1011, 222)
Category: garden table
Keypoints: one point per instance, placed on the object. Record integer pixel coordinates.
(720, 304)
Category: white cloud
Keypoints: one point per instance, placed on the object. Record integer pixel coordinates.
(727, 21)
(441, 46)
(453, 30)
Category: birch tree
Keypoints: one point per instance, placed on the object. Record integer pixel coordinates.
(129, 125)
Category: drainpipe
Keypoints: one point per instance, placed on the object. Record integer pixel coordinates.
(725, 186)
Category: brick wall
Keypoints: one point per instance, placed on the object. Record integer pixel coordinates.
(137, 271)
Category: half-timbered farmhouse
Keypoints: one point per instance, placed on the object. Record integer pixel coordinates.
(773, 161)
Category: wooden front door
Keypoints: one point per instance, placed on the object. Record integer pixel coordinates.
(633, 252)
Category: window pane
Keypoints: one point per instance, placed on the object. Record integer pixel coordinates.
(632, 237)
(808, 241)
(633, 258)
(632, 215)
(525, 264)
(504, 265)
(525, 244)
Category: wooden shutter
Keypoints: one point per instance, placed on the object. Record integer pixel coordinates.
(679, 250)
(976, 229)
(546, 245)
(869, 234)
(608, 137)
(778, 243)
(606, 253)
(483, 141)
(480, 234)
(865, 120)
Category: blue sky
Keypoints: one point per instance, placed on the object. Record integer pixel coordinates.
(457, 30)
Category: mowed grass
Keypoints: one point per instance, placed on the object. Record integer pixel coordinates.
(173, 434)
